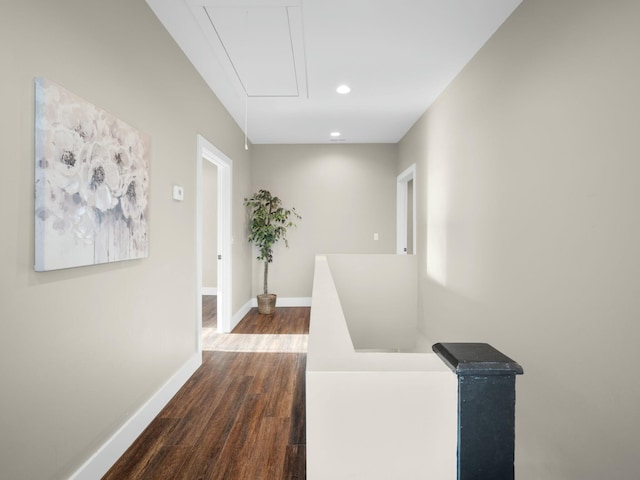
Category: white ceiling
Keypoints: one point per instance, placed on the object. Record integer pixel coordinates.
(275, 64)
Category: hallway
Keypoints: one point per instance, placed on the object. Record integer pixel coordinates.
(240, 416)
(285, 332)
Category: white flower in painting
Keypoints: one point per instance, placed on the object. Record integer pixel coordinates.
(67, 214)
(125, 136)
(64, 158)
(131, 148)
(100, 179)
(134, 200)
(122, 158)
(84, 225)
(56, 208)
(139, 236)
(83, 119)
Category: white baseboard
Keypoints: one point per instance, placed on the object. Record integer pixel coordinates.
(241, 313)
(103, 459)
(294, 302)
(209, 291)
(287, 302)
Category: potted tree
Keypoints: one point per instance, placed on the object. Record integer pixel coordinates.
(268, 223)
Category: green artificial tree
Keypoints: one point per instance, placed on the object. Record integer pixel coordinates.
(268, 224)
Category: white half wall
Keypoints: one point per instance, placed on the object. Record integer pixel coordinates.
(374, 416)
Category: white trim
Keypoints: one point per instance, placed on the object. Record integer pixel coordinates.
(294, 301)
(401, 210)
(104, 458)
(288, 302)
(207, 151)
(209, 291)
(241, 313)
(401, 218)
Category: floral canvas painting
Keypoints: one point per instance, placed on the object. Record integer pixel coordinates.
(91, 183)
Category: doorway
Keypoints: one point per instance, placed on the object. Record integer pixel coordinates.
(209, 249)
(209, 228)
(406, 212)
(207, 152)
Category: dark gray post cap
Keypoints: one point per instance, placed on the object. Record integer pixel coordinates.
(476, 359)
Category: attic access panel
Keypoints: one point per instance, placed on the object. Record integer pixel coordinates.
(263, 46)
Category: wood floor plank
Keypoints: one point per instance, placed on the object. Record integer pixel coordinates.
(295, 463)
(142, 452)
(166, 464)
(209, 311)
(191, 426)
(197, 390)
(265, 367)
(287, 320)
(282, 385)
(208, 453)
(268, 462)
(298, 433)
(240, 448)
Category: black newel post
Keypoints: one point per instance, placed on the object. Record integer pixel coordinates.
(486, 409)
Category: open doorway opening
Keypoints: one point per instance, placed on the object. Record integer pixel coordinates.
(207, 154)
(209, 246)
(406, 212)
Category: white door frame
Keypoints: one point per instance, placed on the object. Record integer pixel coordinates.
(401, 208)
(208, 152)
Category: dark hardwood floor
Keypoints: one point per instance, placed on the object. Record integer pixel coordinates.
(240, 416)
(209, 311)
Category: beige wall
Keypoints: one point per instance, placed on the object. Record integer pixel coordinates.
(209, 225)
(345, 194)
(84, 348)
(378, 299)
(529, 183)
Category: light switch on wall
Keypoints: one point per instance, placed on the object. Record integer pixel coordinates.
(178, 193)
(376, 236)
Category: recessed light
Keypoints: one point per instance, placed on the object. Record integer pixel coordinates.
(335, 134)
(343, 89)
